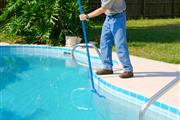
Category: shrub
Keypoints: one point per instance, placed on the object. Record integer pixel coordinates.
(41, 21)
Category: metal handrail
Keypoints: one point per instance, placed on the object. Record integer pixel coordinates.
(83, 45)
(155, 97)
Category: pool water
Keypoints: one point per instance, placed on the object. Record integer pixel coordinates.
(47, 88)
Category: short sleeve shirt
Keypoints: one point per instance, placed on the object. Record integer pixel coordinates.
(113, 6)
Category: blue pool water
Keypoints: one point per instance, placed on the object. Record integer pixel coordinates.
(40, 87)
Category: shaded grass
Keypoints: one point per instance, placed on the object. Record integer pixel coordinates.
(157, 39)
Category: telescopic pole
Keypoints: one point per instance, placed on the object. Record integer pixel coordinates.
(87, 48)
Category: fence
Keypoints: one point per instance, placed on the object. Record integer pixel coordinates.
(2, 5)
(139, 8)
(147, 8)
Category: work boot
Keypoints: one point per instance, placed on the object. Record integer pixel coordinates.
(126, 75)
(104, 72)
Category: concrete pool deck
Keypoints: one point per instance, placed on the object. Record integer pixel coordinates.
(149, 77)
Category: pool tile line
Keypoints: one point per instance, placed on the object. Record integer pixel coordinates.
(102, 87)
(52, 48)
(137, 96)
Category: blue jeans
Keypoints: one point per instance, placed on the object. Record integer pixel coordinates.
(114, 31)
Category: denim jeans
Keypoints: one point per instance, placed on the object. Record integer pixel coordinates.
(114, 31)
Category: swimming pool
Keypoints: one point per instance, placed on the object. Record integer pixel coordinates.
(43, 83)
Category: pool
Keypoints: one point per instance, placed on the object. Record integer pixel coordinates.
(43, 83)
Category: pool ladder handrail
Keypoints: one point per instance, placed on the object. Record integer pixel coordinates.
(84, 45)
(156, 96)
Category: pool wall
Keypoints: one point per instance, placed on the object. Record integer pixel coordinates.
(129, 96)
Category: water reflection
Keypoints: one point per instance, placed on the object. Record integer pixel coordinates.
(10, 67)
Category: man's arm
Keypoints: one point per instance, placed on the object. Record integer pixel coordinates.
(95, 13)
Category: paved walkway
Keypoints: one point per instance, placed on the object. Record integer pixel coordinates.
(149, 77)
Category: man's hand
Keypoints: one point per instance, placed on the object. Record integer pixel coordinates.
(95, 13)
(83, 17)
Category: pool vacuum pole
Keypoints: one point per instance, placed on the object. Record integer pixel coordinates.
(87, 48)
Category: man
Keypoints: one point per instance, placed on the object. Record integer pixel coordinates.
(113, 31)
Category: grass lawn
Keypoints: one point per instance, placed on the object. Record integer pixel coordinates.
(157, 39)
